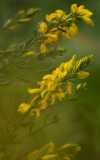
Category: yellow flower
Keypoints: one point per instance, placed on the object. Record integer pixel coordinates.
(24, 107)
(83, 62)
(51, 86)
(80, 10)
(55, 15)
(70, 31)
(50, 17)
(59, 24)
(43, 27)
(48, 77)
(74, 8)
(73, 30)
(51, 38)
(82, 13)
(58, 73)
(56, 86)
(83, 75)
(60, 13)
(34, 90)
(87, 20)
(43, 48)
(68, 66)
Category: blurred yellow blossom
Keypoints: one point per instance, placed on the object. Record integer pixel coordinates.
(71, 31)
(55, 86)
(24, 107)
(57, 14)
(42, 28)
(83, 74)
(51, 38)
(82, 13)
(59, 24)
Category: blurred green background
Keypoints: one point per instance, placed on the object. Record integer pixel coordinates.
(70, 122)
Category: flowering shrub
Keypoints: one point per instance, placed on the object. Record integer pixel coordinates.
(57, 85)
(60, 83)
(59, 24)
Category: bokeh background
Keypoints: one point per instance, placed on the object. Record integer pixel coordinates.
(71, 121)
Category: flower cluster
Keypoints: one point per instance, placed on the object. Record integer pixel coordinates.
(55, 86)
(82, 13)
(52, 152)
(59, 24)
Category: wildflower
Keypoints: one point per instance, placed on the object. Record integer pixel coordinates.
(33, 91)
(43, 27)
(51, 38)
(70, 31)
(59, 24)
(60, 13)
(74, 8)
(82, 13)
(73, 30)
(87, 20)
(48, 77)
(55, 86)
(58, 73)
(24, 107)
(50, 17)
(55, 15)
(82, 63)
(83, 74)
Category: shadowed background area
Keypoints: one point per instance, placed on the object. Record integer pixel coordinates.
(71, 121)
